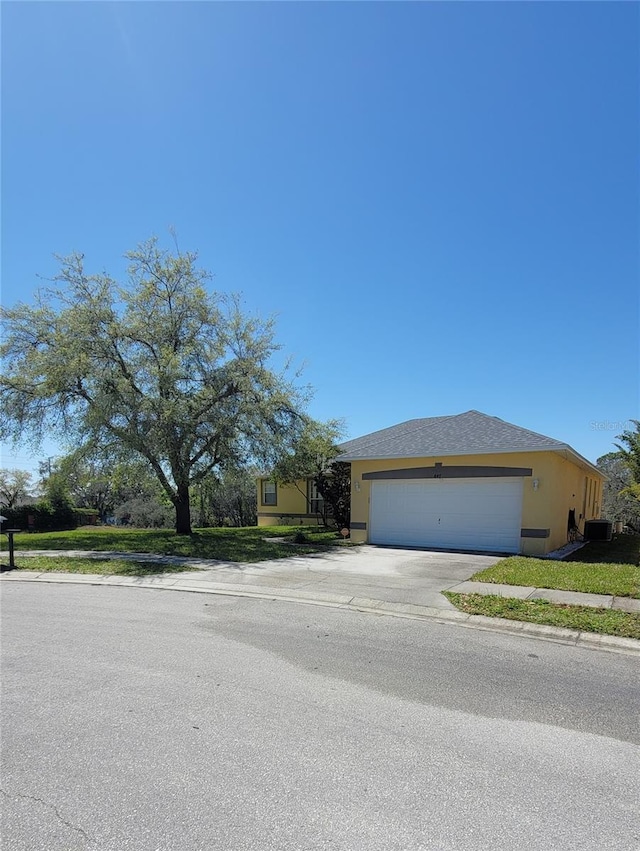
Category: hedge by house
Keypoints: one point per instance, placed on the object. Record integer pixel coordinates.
(41, 518)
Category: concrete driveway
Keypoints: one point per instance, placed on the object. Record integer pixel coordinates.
(393, 575)
(376, 574)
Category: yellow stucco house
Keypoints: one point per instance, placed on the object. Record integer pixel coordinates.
(289, 505)
(468, 482)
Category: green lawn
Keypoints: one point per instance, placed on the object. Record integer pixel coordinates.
(584, 618)
(597, 568)
(249, 544)
(115, 567)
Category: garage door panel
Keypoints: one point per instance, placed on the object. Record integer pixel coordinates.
(482, 514)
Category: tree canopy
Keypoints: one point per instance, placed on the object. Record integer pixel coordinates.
(618, 500)
(629, 452)
(312, 450)
(158, 367)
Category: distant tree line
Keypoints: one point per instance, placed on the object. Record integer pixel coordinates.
(77, 489)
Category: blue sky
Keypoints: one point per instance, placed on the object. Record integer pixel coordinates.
(439, 201)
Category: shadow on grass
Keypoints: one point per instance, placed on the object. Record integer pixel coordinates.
(623, 549)
(94, 566)
(248, 544)
(138, 569)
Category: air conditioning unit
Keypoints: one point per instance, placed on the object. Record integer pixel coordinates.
(598, 530)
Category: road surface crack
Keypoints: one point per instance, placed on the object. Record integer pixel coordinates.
(53, 807)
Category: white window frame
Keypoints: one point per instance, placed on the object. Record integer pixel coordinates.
(315, 500)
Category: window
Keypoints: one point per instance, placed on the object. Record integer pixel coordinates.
(269, 493)
(316, 502)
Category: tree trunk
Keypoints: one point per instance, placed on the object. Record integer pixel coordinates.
(183, 511)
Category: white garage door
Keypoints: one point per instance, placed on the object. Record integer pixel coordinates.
(474, 514)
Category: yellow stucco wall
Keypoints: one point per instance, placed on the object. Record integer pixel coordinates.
(573, 488)
(560, 487)
(290, 508)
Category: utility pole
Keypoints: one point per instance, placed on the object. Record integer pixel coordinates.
(44, 467)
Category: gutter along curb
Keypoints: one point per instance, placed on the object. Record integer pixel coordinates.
(341, 601)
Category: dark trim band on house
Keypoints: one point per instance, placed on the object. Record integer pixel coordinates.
(356, 524)
(288, 514)
(439, 471)
(535, 533)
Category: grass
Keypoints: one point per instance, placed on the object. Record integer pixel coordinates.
(248, 544)
(583, 618)
(598, 568)
(112, 567)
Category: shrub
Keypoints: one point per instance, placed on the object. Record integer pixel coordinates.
(86, 516)
(40, 517)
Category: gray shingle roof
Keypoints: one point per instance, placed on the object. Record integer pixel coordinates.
(461, 434)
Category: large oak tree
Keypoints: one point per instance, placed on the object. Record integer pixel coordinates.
(159, 367)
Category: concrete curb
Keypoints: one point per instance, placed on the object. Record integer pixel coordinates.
(558, 635)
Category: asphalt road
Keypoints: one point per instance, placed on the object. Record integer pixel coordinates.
(162, 721)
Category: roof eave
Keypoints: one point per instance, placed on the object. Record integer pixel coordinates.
(582, 461)
(395, 455)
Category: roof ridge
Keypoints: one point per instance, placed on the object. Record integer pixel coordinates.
(372, 436)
